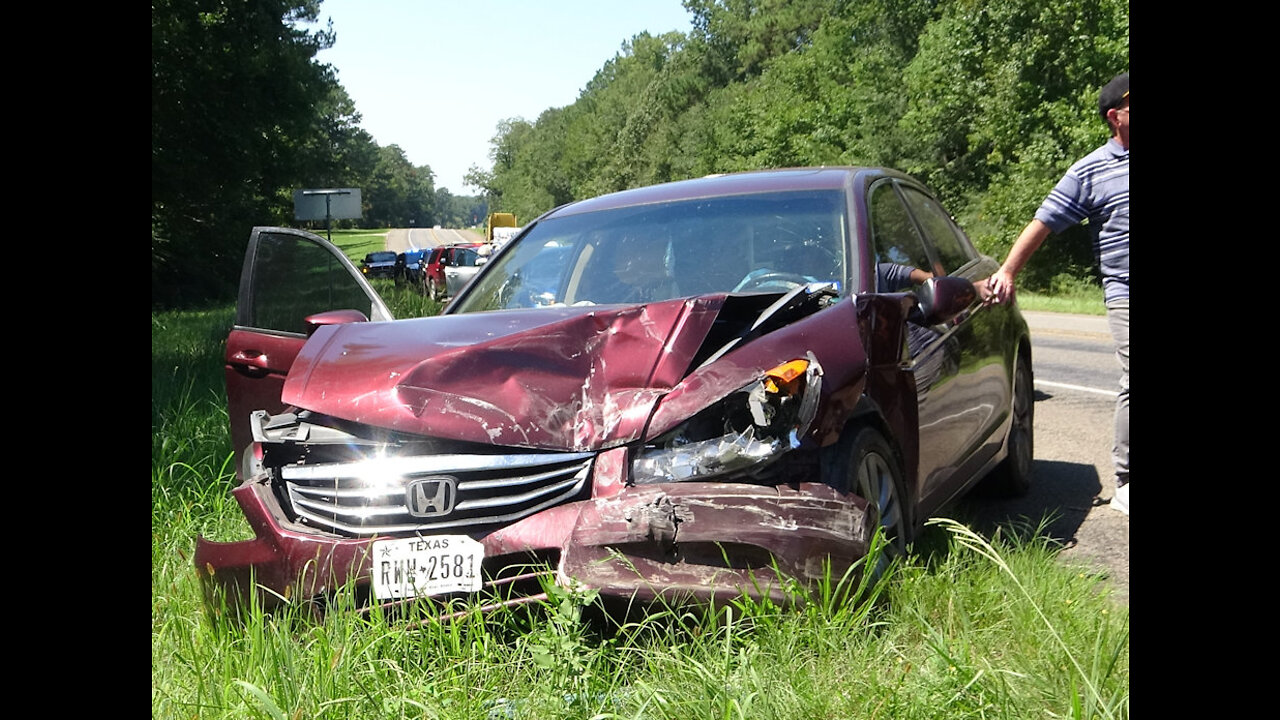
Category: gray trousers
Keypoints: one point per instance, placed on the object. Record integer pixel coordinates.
(1118, 320)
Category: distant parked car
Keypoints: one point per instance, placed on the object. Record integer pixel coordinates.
(380, 264)
(463, 265)
(435, 282)
(696, 390)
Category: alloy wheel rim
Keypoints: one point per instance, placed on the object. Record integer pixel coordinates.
(875, 480)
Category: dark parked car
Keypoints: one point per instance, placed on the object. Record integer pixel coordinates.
(381, 264)
(673, 391)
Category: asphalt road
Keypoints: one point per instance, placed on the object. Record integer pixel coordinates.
(418, 238)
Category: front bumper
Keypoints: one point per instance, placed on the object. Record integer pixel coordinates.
(695, 541)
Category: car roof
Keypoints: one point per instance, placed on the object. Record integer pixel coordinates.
(739, 183)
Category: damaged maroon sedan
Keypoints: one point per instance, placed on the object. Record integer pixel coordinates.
(689, 390)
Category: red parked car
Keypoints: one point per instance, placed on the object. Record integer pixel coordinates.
(678, 391)
(435, 282)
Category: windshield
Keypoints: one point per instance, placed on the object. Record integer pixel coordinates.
(768, 242)
(382, 257)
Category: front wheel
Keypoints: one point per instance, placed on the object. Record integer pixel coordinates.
(434, 291)
(867, 466)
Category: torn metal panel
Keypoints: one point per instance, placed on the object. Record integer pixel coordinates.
(840, 354)
(573, 378)
(704, 539)
(714, 540)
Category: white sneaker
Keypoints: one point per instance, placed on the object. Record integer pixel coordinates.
(1120, 500)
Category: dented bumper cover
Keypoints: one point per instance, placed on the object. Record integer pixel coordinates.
(695, 541)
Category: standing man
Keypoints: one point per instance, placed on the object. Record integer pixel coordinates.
(1095, 189)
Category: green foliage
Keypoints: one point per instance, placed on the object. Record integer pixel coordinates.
(399, 194)
(1003, 100)
(987, 102)
(242, 115)
(218, 161)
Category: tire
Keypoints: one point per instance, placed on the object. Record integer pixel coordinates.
(433, 290)
(867, 466)
(1012, 477)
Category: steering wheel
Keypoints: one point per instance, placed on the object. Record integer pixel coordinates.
(785, 280)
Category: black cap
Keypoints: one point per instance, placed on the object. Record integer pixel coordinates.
(1113, 94)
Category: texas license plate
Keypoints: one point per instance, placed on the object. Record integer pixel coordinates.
(417, 567)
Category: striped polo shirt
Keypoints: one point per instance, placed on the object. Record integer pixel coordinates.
(1096, 189)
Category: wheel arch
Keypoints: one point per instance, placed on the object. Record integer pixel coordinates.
(868, 413)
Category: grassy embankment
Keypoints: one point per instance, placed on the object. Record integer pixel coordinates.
(968, 627)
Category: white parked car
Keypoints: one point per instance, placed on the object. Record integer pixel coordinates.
(466, 262)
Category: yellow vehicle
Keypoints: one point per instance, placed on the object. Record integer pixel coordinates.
(498, 220)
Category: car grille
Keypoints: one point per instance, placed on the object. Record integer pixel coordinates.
(373, 495)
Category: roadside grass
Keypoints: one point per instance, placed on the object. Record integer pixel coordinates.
(406, 301)
(357, 243)
(1082, 302)
(1067, 295)
(968, 626)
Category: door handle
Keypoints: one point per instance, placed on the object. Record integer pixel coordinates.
(251, 362)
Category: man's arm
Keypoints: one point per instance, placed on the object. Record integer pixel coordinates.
(1001, 282)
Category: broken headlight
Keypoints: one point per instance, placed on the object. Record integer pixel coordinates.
(745, 431)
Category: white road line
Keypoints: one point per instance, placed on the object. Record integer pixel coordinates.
(1081, 388)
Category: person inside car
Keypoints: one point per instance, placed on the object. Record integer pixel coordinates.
(640, 265)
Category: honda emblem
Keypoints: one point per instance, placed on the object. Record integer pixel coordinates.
(431, 497)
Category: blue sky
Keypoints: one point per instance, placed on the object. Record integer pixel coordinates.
(436, 76)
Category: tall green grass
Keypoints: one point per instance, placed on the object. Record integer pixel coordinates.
(968, 627)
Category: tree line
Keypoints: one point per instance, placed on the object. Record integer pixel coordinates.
(242, 115)
(987, 101)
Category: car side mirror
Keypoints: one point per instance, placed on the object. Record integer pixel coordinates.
(942, 298)
(333, 317)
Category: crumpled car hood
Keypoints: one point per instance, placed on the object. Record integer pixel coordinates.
(554, 378)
